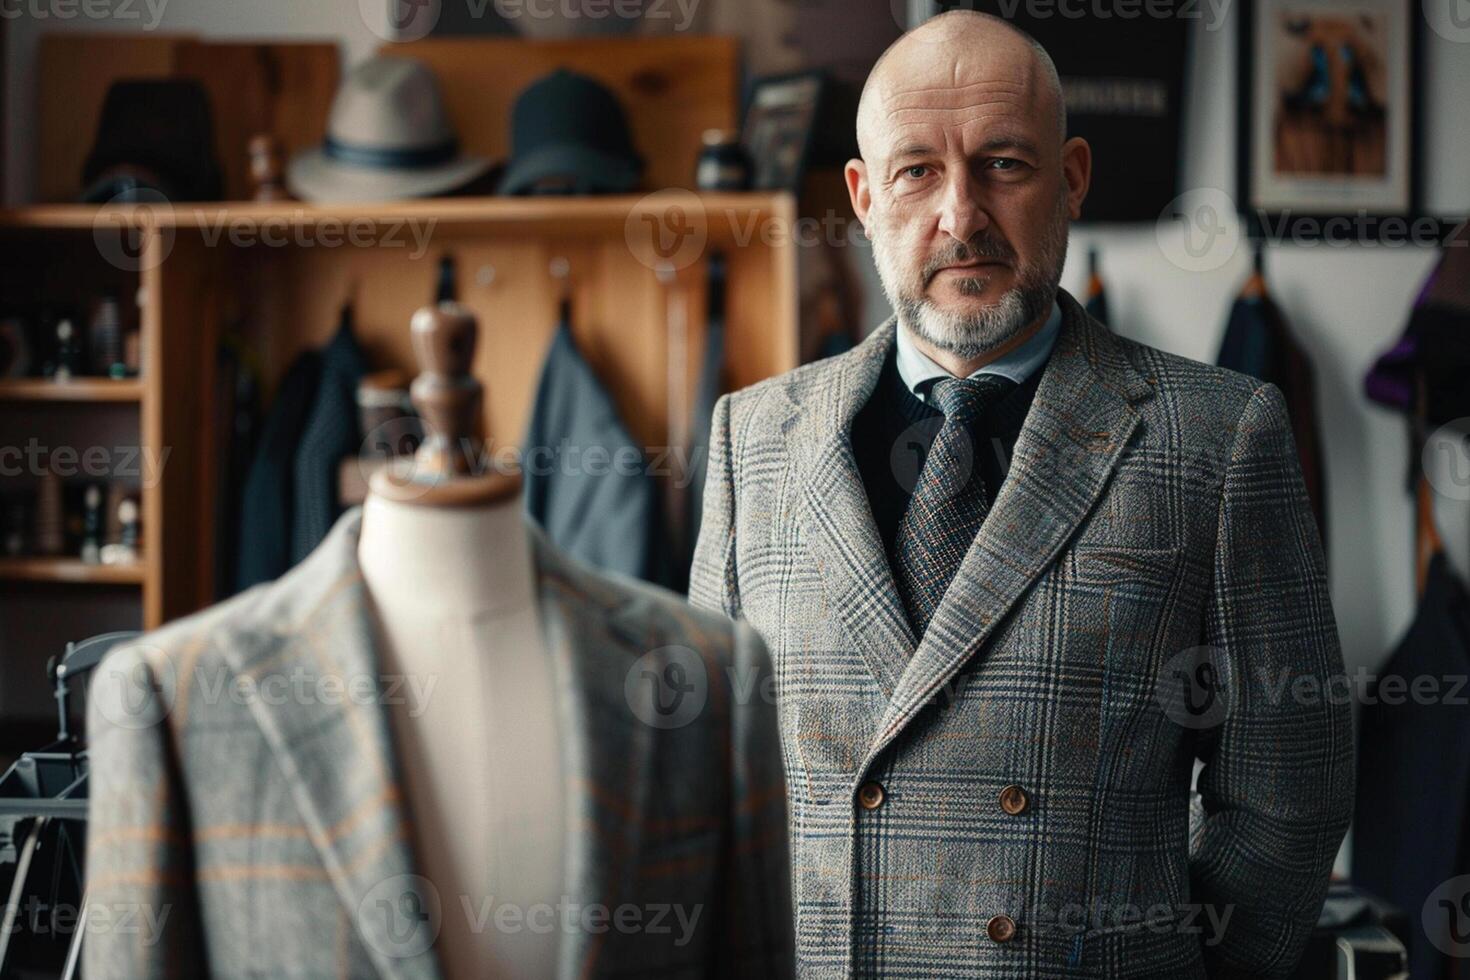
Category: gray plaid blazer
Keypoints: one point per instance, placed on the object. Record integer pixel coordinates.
(1148, 589)
(267, 835)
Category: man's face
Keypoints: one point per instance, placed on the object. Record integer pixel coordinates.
(964, 193)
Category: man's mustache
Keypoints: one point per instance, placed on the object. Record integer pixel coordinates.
(973, 250)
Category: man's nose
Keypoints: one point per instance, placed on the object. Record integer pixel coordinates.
(960, 212)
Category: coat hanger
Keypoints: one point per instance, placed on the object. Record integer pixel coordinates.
(346, 313)
(1255, 286)
(447, 470)
(446, 289)
(561, 271)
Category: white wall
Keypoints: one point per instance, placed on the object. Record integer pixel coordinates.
(1346, 304)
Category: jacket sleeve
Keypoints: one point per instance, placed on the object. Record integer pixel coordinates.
(1277, 782)
(141, 919)
(758, 939)
(712, 582)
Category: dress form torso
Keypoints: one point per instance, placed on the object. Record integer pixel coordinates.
(476, 730)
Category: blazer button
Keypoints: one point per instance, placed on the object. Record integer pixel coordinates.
(1001, 928)
(1013, 800)
(870, 795)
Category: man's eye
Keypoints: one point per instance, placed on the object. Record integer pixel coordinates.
(916, 172)
(1008, 163)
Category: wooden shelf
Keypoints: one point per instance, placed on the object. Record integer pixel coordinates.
(75, 390)
(69, 570)
(475, 214)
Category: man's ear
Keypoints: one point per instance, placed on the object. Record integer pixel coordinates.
(856, 173)
(1077, 172)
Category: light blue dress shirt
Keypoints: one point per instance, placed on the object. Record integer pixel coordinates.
(917, 369)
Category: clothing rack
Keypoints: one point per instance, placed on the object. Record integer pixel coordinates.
(43, 811)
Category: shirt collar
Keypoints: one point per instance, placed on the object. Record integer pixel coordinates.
(917, 370)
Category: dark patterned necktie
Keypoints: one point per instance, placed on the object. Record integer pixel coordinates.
(949, 500)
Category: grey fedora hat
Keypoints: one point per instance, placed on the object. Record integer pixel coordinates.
(388, 137)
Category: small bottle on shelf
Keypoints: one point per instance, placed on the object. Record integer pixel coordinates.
(68, 351)
(92, 525)
(50, 515)
(105, 334)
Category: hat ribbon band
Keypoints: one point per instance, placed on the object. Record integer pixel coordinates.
(391, 158)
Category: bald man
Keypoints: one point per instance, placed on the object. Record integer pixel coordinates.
(1020, 578)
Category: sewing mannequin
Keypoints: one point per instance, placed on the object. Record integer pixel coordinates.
(446, 560)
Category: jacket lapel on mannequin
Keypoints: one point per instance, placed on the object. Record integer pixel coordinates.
(1080, 420)
(606, 756)
(335, 748)
(834, 511)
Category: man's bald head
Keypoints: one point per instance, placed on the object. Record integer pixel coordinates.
(953, 45)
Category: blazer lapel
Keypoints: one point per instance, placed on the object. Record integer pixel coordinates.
(833, 509)
(335, 749)
(1080, 420)
(605, 761)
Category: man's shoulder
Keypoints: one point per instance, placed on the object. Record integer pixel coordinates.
(796, 383)
(1199, 408)
(775, 398)
(1177, 379)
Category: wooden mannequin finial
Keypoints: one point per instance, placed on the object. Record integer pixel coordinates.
(448, 468)
(446, 395)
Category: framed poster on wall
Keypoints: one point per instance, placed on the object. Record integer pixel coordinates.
(1123, 80)
(1329, 127)
(778, 127)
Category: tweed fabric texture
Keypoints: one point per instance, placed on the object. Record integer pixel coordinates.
(950, 500)
(1153, 514)
(249, 804)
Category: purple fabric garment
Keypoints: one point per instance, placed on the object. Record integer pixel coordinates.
(1437, 339)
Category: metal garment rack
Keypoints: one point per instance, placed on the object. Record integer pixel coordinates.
(43, 798)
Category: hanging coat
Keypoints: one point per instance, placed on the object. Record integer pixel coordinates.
(585, 479)
(267, 499)
(330, 435)
(1411, 830)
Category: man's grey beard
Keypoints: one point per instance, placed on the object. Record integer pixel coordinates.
(970, 336)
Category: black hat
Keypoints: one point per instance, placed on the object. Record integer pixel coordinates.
(154, 134)
(570, 131)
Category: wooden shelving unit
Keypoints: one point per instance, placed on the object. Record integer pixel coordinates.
(279, 272)
(275, 276)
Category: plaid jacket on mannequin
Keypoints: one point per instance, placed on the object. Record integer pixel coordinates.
(267, 835)
(1011, 795)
